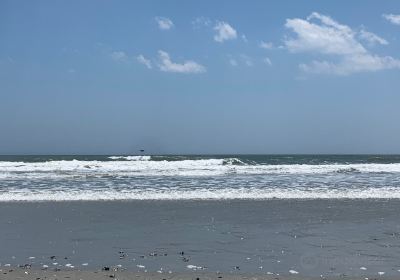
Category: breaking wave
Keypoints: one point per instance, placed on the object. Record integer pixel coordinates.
(145, 166)
(194, 178)
(134, 158)
(198, 194)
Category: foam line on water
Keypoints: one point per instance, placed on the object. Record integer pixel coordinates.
(202, 167)
(198, 194)
(132, 158)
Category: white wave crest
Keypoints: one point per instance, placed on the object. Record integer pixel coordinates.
(133, 158)
(198, 194)
(144, 166)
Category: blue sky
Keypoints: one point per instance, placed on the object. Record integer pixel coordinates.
(107, 77)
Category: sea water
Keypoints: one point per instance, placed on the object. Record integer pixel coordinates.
(250, 177)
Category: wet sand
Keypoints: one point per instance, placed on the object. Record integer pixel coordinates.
(12, 274)
(273, 239)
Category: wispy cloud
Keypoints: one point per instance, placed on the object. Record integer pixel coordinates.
(246, 60)
(200, 22)
(266, 45)
(7, 59)
(240, 60)
(352, 64)
(395, 19)
(224, 31)
(164, 23)
(322, 35)
(119, 56)
(141, 59)
(267, 61)
(188, 66)
(233, 62)
(372, 38)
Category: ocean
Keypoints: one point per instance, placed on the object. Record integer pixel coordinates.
(250, 177)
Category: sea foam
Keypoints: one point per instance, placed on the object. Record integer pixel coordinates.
(144, 166)
(180, 178)
(198, 194)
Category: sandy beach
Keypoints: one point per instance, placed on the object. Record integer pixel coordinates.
(19, 273)
(274, 239)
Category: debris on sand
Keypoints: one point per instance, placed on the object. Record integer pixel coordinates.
(195, 267)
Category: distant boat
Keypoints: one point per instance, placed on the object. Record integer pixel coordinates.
(141, 151)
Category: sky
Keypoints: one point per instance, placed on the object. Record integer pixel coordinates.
(199, 77)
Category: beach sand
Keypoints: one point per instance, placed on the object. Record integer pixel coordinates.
(18, 273)
(273, 239)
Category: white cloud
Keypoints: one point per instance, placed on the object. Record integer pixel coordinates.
(246, 60)
(141, 59)
(372, 38)
(119, 56)
(200, 22)
(240, 60)
(224, 32)
(188, 66)
(352, 64)
(328, 37)
(164, 23)
(320, 34)
(266, 45)
(395, 19)
(267, 61)
(244, 38)
(233, 62)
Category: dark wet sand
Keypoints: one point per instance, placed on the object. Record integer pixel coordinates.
(184, 239)
(125, 275)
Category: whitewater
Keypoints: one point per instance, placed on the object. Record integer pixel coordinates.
(70, 178)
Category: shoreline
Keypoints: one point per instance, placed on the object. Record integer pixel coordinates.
(200, 200)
